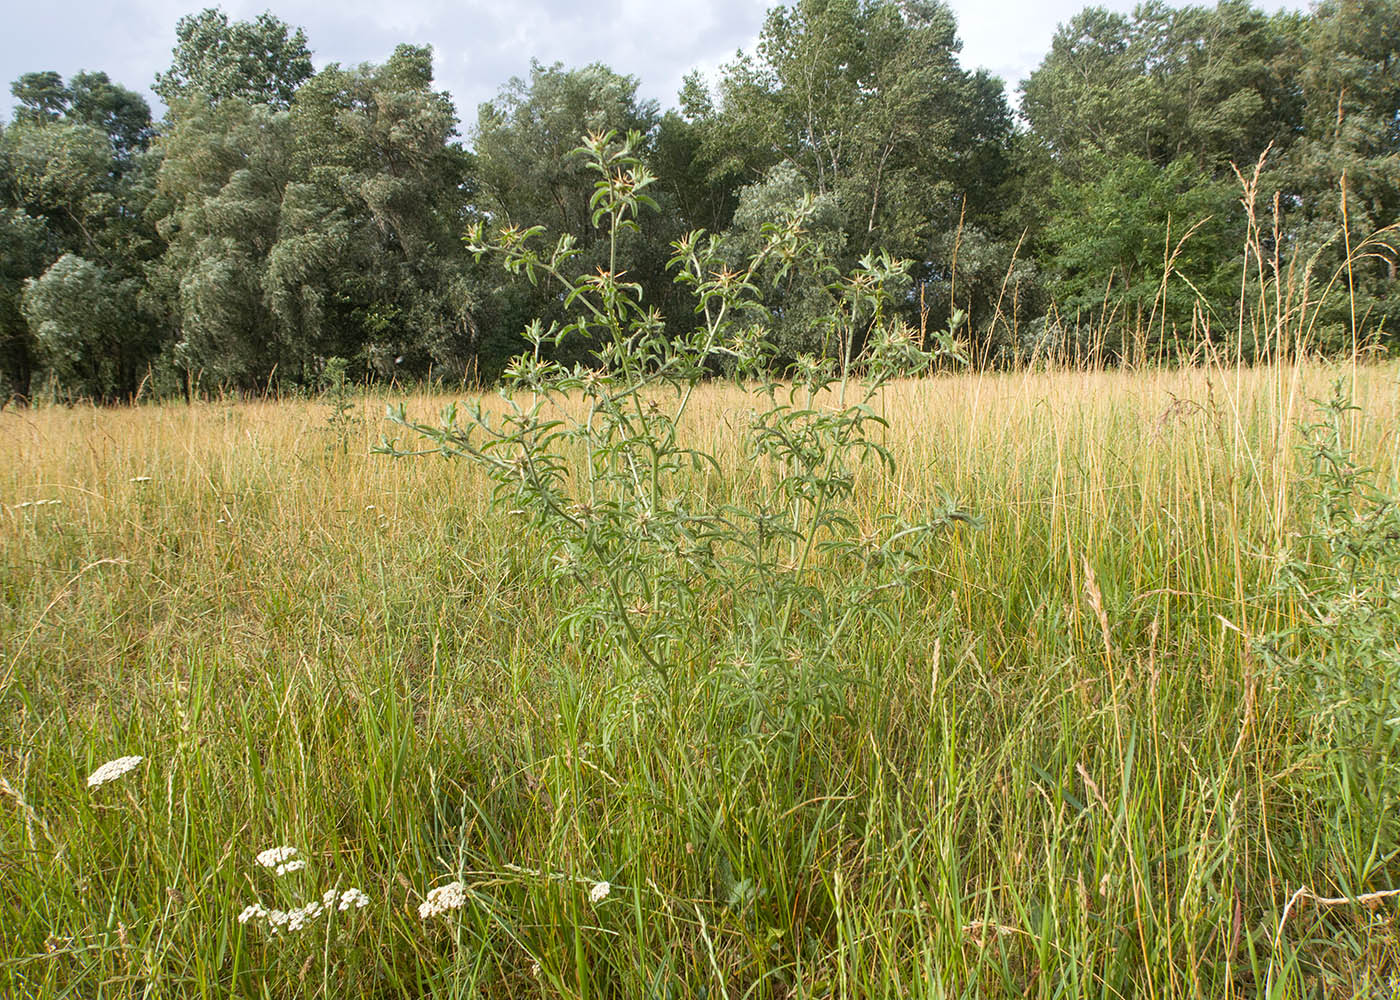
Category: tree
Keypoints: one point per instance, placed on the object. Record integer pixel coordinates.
(60, 172)
(262, 61)
(866, 99)
(1351, 87)
(87, 326)
(523, 141)
(329, 229)
(90, 99)
(1137, 123)
(1110, 238)
(798, 302)
(76, 182)
(42, 97)
(866, 103)
(24, 250)
(1215, 85)
(695, 173)
(123, 115)
(222, 177)
(371, 229)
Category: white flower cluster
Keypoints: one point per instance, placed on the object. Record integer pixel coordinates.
(281, 860)
(352, 897)
(274, 856)
(293, 920)
(284, 921)
(112, 770)
(599, 892)
(452, 896)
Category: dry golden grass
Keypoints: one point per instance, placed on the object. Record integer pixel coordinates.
(1063, 776)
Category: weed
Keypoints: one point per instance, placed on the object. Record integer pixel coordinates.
(596, 455)
(339, 398)
(1342, 573)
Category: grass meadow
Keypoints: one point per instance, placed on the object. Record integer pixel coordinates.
(1058, 770)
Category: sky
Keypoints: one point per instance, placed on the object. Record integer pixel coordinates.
(480, 44)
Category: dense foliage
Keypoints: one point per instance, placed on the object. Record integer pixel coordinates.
(277, 217)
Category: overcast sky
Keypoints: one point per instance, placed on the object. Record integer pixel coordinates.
(479, 44)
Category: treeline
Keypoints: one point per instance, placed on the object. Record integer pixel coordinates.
(277, 217)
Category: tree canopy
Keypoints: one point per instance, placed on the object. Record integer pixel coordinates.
(277, 217)
(262, 61)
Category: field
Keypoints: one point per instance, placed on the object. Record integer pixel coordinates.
(1057, 766)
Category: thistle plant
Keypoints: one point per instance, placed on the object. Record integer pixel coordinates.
(339, 397)
(1340, 651)
(600, 457)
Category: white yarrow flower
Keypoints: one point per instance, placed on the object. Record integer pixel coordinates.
(289, 921)
(352, 897)
(274, 857)
(452, 896)
(291, 866)
(599, 892)
(112, 770)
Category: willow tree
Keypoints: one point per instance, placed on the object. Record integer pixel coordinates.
(370, 263)
(262, 61)
(330, 228)
(74, 189)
